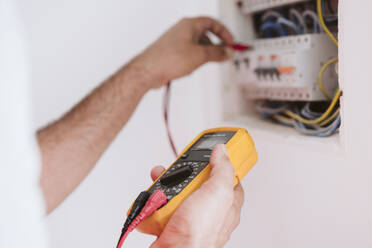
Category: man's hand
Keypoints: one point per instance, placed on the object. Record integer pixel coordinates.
(179, 51)
(207, 218)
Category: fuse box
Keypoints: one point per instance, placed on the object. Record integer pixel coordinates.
(290, 76)
(286, 68)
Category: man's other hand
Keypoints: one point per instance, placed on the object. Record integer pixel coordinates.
(183, 48)
(209, 216)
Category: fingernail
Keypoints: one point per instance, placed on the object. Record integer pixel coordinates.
(229, 52)
(225, 150)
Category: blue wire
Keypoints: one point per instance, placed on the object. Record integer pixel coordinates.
(322, 132)
(270, 109)
(290, 24)
(333, 126)
(298, 23)
(300, 124)
(336, 126)
(316, 28)
(305, 112)
(269, 25)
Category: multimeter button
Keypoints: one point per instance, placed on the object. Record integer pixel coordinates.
(184, 156)
(176, 177)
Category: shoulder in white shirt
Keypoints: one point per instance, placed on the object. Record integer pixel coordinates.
(22, 214)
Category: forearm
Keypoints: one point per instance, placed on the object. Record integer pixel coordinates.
(71, 146)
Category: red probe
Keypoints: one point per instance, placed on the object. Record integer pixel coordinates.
(241, 47)
(156, 200)
(166, 100)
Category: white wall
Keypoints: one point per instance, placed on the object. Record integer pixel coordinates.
(74, 46)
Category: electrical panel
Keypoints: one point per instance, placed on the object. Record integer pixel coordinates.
(289, 75)
(286, 68)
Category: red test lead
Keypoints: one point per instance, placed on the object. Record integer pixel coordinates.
(241, 47)
(166, 100)
(156, 200)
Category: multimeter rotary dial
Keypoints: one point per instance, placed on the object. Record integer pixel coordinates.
(177, 176)
(190, 164)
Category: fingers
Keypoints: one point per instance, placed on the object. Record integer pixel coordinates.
(222, 170)
(212, 52)
(236, 207)
(222, 174)
(239, 196)
(232, 219)
(217, 53)
(206, 23)
(156, 172)
(204, 40)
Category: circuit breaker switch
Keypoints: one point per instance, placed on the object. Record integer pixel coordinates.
(287, 70)
(237, 64)
(274, 73)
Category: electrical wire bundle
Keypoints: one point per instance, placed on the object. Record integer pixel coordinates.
(301, 116)
(275, 24)
(145, 205)
(296, 20)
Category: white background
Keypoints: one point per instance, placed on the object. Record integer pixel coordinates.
(304, 192)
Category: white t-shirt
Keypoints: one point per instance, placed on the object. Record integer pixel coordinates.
(22, 215)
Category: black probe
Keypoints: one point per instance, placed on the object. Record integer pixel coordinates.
(138, 205)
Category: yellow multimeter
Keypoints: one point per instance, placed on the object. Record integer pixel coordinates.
(191, 169)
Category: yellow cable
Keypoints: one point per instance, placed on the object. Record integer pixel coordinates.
(321, 19)
(332, 117)
(320, 77)
(321, 118)
(283, 119)
(290, 121)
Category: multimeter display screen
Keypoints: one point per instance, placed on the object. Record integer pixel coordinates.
(209, 141)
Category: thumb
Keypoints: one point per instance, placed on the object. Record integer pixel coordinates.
(217, 53)
(222, 173)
